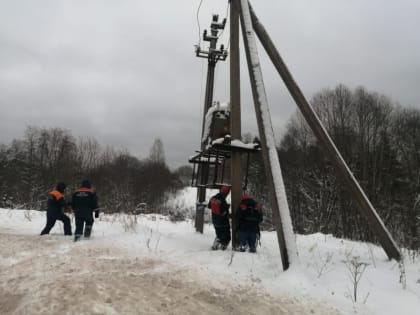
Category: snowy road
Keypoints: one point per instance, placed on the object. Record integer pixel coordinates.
(53, 275)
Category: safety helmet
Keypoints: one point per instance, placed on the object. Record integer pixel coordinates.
(225, 189)
(61, 186)
(245, 196)
(86, 183)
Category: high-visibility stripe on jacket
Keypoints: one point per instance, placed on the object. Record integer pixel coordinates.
(58, 195)
(219, 210)
(84, 202)
(55, 202)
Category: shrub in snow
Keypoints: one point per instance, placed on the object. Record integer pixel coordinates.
(129, 222)
(356, 268)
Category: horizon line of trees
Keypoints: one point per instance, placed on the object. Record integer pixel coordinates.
(378, 139)
(32, 166)
(380, 142)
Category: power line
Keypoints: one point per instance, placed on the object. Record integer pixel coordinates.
(226, 17)
(198, 23)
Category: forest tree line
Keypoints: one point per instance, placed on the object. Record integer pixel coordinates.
(31, 167)
(380, 142)
(378, 139)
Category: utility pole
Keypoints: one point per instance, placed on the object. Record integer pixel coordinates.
(279, 205)
(213, 55)
(241, 10)
(327, 145)
(235, 116)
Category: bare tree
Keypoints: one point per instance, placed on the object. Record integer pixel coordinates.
(88, 154)
(157, 152)
(406, 129)
(359, 122)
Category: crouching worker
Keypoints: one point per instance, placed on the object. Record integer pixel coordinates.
(84, 203)
(55, 210)
(249, 217)
(220, 218)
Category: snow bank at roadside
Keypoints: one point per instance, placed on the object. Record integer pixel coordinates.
(151, 247)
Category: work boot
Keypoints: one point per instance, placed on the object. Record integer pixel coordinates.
(216, 244)
(88, 230)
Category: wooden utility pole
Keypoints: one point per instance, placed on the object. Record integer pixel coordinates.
(327, 145)
(235, 116)
(279, 204)
(213, 55)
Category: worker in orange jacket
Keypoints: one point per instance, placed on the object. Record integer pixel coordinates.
(55, 210)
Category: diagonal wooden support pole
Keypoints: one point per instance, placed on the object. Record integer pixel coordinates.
(343, 171)
(279, 204)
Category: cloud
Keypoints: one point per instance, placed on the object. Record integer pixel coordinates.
(125, 71)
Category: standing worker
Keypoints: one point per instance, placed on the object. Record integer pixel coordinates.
(55, 210)
(84, 203)
(220, 217)
(249, 218)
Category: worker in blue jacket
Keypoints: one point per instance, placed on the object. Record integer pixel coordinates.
(249, 216)
(84, 203)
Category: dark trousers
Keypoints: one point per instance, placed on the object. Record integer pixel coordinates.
(248, 238)
(52, 217)
(85, 222)
(223, 234)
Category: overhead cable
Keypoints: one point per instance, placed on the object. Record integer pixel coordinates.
(198, 23)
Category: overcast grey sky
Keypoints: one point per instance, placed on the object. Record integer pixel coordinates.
(125, 72)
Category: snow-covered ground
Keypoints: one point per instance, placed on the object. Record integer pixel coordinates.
(155, 266)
